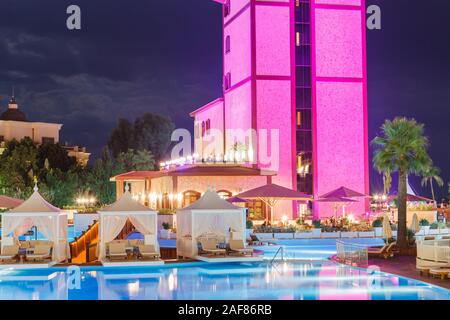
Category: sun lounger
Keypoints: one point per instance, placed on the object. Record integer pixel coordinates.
(148, 251)
(239, 247)
(210, 246)
(117, 251)
(40, 253)
(387, 251)
(443, 273)
(255, 241)
(9, 253)
(423, 270)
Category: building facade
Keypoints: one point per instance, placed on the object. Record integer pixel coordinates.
(294, 97)
(14, 124)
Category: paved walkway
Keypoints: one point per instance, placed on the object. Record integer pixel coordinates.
(406, 266)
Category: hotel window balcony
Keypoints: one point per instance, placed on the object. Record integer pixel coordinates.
(227, 44)
(227, 8)
(303, 77)
(302, 11)
(227, 81)
(303, 100)
(304, 140)
(304, 119)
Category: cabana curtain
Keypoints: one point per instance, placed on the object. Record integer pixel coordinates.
(112, 225)
(110, 228)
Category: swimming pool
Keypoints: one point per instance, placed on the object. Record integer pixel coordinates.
(203, 281)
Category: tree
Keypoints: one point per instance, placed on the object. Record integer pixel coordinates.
(432, 174)
(153, 132)
(121, 138)
(98, 178)
(403, 148)
(18, 166)
(56, 156)
(60, 188)
(133, 160)
(150, 132)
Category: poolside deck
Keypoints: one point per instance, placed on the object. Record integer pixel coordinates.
(26, 265)
(406, 266)
(132, 263)
(222, 259)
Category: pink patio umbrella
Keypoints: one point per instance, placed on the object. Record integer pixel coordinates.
(343, 192)
(237, 200)
(271, 193)
(336, 201)
(9, 203)
(411, 198)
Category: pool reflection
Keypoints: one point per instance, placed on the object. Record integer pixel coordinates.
(260, 281)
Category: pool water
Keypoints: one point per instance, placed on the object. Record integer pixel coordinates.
(203, 281)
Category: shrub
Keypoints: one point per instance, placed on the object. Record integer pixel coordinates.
(434, 225)
(377, 223)
(424, 223)
(166, 225)
(249, 224)
(410, 235)
(316, 224)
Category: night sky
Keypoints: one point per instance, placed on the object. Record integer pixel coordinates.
(164, 56)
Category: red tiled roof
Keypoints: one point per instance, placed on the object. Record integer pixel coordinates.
(9, 203)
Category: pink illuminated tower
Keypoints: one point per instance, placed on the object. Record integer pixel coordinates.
(298, 66)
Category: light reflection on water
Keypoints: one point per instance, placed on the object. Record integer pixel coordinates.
(260, 281)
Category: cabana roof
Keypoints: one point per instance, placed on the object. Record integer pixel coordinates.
(35, 204)
(8, 202)
(126, 204)
(211, 201)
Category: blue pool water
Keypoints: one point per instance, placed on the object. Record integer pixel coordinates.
(198, 281)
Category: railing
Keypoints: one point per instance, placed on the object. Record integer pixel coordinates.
(352, 254)
(84, 248)
(84, 244)
(434, 250)
(279, 251)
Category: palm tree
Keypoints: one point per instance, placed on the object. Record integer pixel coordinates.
(430, 175)
(403, 148)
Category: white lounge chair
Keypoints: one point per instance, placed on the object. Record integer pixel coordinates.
(239, 247)
(9, 253)
(443, 273)
(40, 253)
(148, 251)
(117, 250)
(210, 246)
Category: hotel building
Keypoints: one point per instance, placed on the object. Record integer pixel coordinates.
(293, 110)
(14, 124)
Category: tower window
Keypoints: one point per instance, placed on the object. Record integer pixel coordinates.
(227, 81)
(46, 140)
(227, 44)
(226, 8)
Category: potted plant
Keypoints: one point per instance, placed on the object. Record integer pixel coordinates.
(165, 231)
(377, 226)
(317, 228)
(434, 226)
(424, 225)
(249, 227)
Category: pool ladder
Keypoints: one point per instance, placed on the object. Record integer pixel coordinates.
(279, 251)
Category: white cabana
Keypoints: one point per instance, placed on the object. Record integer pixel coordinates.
(114, 217)
(210, 216)
(50, 221)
